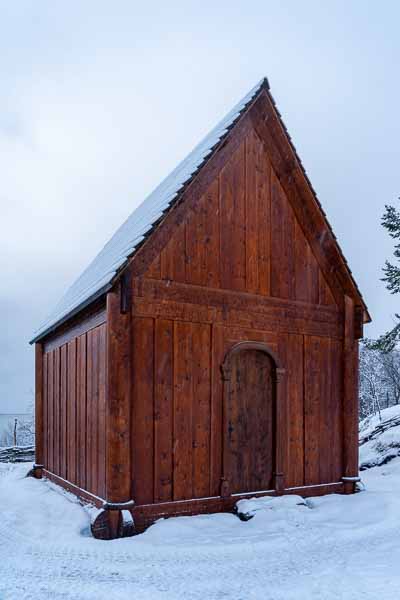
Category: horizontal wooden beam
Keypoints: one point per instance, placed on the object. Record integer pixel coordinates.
(74, 489)
(179, 301)
(145, 515)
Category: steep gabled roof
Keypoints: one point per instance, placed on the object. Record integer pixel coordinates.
(101, 273)
(97, 278)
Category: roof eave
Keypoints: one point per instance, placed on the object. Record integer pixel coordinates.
(46, 332)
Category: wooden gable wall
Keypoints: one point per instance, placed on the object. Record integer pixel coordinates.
(243, 235)
(238, 267)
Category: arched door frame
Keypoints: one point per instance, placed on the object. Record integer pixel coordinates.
(280, 424)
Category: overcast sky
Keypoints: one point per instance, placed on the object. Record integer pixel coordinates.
(100, 100)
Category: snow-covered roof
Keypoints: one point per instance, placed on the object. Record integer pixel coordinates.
(97, 278)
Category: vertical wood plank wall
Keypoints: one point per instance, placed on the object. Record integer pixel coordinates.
(243, 236)
(74, 410)
(178, 399)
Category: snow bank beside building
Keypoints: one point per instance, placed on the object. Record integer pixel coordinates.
(380, 438)
(330, 548)
(333, 547)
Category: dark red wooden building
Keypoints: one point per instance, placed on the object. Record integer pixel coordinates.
(210, 351)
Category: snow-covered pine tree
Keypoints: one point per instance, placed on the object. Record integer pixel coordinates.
(391, 221)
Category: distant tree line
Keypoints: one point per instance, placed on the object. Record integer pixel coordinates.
(380, 359)
(379, 380)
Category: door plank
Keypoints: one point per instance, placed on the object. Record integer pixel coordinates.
(249, 423)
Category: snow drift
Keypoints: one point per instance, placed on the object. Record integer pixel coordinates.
(330, 548)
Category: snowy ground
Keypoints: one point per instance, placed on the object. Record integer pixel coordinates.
(337, 547)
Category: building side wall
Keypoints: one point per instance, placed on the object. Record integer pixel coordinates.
(74, 396)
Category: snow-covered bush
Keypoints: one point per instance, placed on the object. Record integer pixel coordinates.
(19, 433)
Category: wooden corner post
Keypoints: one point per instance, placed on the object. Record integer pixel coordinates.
(109, 523)
(281, 431)
(38, 466)
(350, 398)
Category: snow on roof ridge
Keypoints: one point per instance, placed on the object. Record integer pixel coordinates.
(97, 277)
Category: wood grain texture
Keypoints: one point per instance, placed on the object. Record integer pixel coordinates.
(232, 215)
(63, 411)
(171, 410)
(72, 443)
(291, 352)
(249, 431)
(313, 415)
(173, 256)
(201, 382)
(183, 406)
(143, 406)
(337, 414)
(163, 410)
(75, 410)
(81, 395)
(56, 412)
(50, 410)
(203, 240)
(119, 401)
(102, 411)
(218, 350)
(224, 338)
(282, 243)
(89, 425)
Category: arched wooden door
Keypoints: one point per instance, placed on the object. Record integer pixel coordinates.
(249, 436)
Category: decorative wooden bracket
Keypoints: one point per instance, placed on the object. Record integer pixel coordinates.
(125, 292)
(358, 322)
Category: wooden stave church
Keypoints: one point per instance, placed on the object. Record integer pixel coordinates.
(237, 280)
